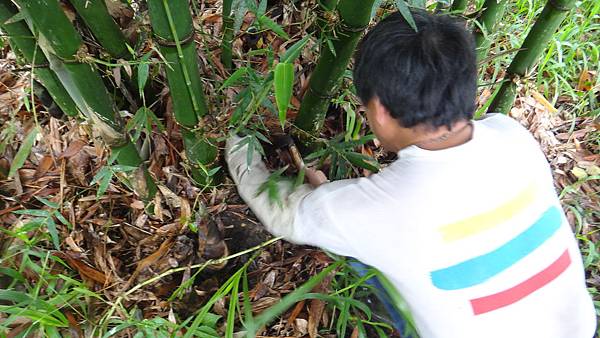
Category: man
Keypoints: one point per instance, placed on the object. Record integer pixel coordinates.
(466, 223)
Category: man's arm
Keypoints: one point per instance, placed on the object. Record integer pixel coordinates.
(278, 219)
(306, 215)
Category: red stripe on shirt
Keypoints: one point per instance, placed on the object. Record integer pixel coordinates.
(522, 290)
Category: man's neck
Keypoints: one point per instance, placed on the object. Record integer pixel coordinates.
(444, 138)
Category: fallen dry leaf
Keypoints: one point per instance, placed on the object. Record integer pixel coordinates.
(73, 148)
(586, 80)
(543, 101)
(84, 270)
(45, 165)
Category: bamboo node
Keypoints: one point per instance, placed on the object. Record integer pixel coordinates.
(516, 78)
(351, 29)
(561, 7)
(170, 43)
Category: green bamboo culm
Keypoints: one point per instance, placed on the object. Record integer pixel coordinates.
(173, 31)
(459, 5)
(536, 41)
(22, 39)
(226, 45)
(61, 44)
(354, 19)
(486, 23)
(96, 17)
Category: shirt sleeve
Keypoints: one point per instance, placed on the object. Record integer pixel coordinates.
(315, 219)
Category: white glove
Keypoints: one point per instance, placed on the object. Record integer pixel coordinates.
(277, 219)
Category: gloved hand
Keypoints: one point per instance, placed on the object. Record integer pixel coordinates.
(278, 219)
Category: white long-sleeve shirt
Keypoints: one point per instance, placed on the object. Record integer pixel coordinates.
(473, 237)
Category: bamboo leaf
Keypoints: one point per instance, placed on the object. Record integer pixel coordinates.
(52, 205)
(33, 212)
(240, 8)
(153, 117)
(262, 8)
(143, 71)
(103, 178)
(23, 152)
(15, 18)
(284, 83)
(316, 154)
(403, 9)
(137, 122)
(362, 161)
(271, 186)
(123, 168)
(236, 76)
(62, 219)
(103, 185)
(261, 137)
(293, 52)
(266, 22)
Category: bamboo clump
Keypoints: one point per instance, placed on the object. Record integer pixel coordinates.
(354, 18)
(536, 41)
(174, 33)
(63, 47)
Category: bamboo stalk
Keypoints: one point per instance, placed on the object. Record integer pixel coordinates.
(329, 5)
(60, 43)
(95, 15)
(536, 41)
(226, 46)
(459, 5)
(22, 39)
(354, 18)
(492, 10)
(173, 30)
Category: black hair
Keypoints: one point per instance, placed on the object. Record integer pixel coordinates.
(425, 77)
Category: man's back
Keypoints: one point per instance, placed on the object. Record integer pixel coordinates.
(472, 236)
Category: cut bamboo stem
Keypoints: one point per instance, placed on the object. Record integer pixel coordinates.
(535, 43)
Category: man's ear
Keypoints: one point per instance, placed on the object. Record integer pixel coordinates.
(381, 113)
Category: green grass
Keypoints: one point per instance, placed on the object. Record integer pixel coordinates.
(43, 293)
(575, 48)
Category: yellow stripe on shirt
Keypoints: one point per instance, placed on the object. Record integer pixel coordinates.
(489, 219)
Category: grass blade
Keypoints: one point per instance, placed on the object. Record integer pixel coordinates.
(23, 152)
